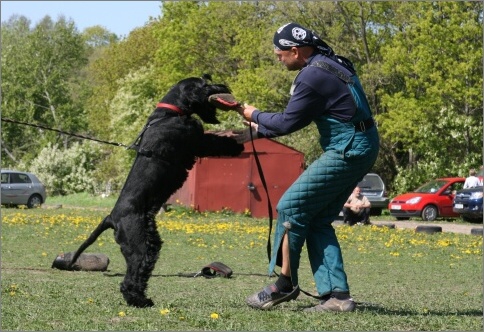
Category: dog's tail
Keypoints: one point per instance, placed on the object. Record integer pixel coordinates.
(104, 225)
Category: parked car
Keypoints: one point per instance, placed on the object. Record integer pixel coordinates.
(373, 188)
(430, 201)
(21, 188)
(468, 202)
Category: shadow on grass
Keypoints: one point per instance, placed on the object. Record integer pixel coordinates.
(380, 310)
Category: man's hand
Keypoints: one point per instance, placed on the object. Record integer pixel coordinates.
(246, 111)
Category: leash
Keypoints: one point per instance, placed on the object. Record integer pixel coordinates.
(209, 271)
(264, 184)
(64, 132)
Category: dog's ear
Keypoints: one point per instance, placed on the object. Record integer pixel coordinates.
(207, 78)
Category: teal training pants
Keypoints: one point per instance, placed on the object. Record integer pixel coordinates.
(310, 205)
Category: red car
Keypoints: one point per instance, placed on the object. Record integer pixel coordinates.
(430, 201)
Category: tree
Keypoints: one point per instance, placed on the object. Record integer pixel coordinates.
(39, 83)
(433, 102)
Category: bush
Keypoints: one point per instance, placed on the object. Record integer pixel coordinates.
(67, 171)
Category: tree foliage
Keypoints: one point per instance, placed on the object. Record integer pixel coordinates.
(40, 83)
(420, 64)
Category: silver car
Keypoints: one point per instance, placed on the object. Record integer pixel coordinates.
(373, 188)
(22, 188)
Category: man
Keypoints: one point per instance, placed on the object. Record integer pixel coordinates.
(472, 180)
(357, 208)
(325, 91)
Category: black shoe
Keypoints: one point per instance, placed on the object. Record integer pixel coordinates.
(271, 296)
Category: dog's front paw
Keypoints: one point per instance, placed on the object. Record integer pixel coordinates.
(140, 302)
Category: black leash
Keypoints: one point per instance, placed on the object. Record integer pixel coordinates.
(64, 132)
(264, 184)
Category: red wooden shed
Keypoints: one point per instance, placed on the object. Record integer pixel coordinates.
(234, 183)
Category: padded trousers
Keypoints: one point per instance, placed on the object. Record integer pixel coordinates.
(308, 208)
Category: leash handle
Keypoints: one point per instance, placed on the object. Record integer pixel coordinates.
(264, 184)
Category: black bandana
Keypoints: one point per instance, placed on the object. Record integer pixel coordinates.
(294, 35)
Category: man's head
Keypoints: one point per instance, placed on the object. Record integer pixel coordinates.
(357, 191)
(294, 44)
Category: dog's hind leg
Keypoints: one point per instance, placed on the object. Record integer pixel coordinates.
(104, 225)
(141, 253)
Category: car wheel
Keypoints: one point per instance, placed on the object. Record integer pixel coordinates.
(473, 220)
(429, 213)
(375, 211)
(34, 201)
(402, 218)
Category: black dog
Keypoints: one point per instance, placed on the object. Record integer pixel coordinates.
(166, 149)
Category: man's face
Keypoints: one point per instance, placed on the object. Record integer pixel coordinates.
(289, 58)
(357, 191)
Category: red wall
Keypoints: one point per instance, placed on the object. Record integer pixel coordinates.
(217, 183)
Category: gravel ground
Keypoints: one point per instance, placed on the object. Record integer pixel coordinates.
(446, 226)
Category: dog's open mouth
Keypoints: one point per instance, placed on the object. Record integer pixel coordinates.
(224, 101)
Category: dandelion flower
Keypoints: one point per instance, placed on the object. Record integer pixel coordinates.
(164, 311)
(214, 315)
(122, 314)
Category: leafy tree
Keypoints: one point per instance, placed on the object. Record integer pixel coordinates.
(39, 82)
(433, 101)
(109, 66)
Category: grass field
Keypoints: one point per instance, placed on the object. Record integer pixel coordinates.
(402, 280)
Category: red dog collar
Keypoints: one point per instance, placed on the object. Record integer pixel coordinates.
(170, 106)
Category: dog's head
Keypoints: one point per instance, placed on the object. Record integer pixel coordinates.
(191, 96)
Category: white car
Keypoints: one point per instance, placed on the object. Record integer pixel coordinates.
(22, 188)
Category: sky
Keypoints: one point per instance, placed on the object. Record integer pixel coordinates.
(119, 17)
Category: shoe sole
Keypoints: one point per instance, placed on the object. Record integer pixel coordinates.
(289, 297)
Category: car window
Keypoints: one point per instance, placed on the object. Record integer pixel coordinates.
(19, 178)
(370, 182)
(5, 177)
(456, 186)
(431, 187)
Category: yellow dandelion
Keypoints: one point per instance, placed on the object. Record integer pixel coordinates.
(164, 311)
(121, 314)
(44, 254)
(214, 315)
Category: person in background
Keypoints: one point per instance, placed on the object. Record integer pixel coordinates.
(472, 180)
(357, 209)
(326, 91)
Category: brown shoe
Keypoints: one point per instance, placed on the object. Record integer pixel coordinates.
(333, 304)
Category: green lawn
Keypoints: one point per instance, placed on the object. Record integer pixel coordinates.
(402, 280)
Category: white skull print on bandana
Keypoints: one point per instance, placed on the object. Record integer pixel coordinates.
(298, 33)
(289, 43)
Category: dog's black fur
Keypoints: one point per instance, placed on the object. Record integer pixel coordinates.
(167, 149)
